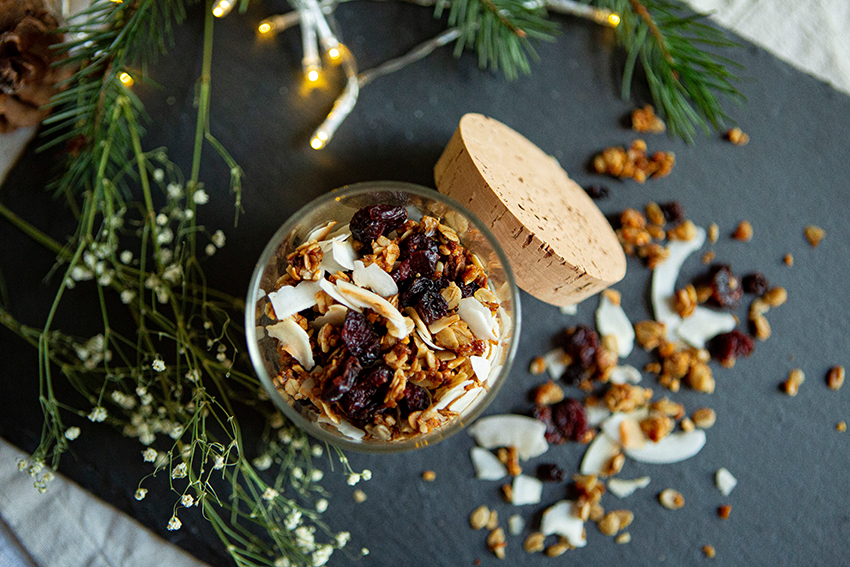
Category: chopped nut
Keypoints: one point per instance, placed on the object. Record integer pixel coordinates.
(429, 476)
(649, 334)
(841, 427)
(704, 418)
(708, 257)
(792, 384)
(496, 542)
(713, 232)
(614, 465)
(761, 327)
(835, 377)
(548, 394)
(687, 230)
(478, 518)
(744, 232)
(510, 458)
(492, 520)
(687, 425)
(596, 512)
(645, 120)
(657, 426)
(507, 492)
(624, 537)
(709, 551)
(558, 549)
(686, 301)
(738, 137)
(538, 366)
(626, 397)
(671, 499)
(788, 259)
(359, 496)
(612, 295)
(775, 296)
(534, 542)
(654, 214)
(700, 378)
(634, 163)
(814, 234)
(723, 511)
(668, 408)
(609, 525)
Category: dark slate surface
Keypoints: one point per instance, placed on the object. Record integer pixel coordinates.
(791, 504)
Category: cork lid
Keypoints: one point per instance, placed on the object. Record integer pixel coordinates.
(561, 247)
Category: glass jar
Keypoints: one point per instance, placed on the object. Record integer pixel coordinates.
(339, 205)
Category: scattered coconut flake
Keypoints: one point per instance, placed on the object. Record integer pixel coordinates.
(481, 367)
(396, 326)
(624, 374)
(330, 289)
(452, 394)
(525, 433)
(321, 232)
(704, 324)
(526, 490)
(623, 488)
(487, 465)
(335, 316)
(664, 279)
(611, 426)
(612, 320)
(463, 402)
(599, 453)
(478, 317)
(295, 341)
(289, 300)
(375, 278)
(560, 519)
(596, 414)
(569, 309)
(725, 481)
(554, 360)
(345, 428)
(674, 448)
(515, 525)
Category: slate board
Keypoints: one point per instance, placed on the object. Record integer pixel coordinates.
(791, 503)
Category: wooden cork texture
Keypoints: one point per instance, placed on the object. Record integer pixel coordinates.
(561, 247)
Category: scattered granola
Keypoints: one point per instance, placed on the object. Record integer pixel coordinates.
(479, 517)
(814, 234)
(634, 163)
(548, 394)
(835, 377)
(841, 426)
(713, 232)
(429, 476)
(671, 499)
(496, 542)
(704, 418)
(624, 537)
(534, 542)
(744, 232)
(738, 137)
(792, 384)
(788, 259)
(709, 551)
(645, 120)
(724, 511)
(538, 366)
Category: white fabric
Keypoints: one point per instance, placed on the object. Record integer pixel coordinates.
(68, 527)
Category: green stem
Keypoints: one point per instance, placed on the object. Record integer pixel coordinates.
(34, 233)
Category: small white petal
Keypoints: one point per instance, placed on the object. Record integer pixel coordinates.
(295, 341)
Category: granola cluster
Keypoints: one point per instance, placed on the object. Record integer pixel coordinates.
(644, 234)
(634, 162)
(386, 329)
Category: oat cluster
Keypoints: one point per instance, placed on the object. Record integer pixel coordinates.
(634, 162)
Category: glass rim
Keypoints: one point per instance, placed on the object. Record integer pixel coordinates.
(312, 428)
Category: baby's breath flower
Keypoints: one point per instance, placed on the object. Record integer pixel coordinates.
(200, 197)
(322, 505)
(146, 399)
(364, 551)
(105, 280)
(342, 538)
(316, 475)
(188, 214)
(218, 239)
(174, 524)
(270, 494)
(158, 175)
(298, 444)
(23, 464)
(282, 562)
(36, 468)
(193, 375)
(141, 493)
(285, 436)
(210, 249)
(162, 219)
(81, 274)
(72, 433)
(165, 255)
(317, 450)
(176, 431)
(126, 256)
(165, 236)
(263, 462)
(322, 555)
(305, 538)
(174, 190)
(221, 357)
(187, 500)
(180, 471)
(173, 273)
(40, 487)
(297, 473)
(366, 474)
(47, 477)
(149, 454)
(98, 414)
(292, 520)
(127, 296)
(353, 479)
(219, 463)
(158, 364)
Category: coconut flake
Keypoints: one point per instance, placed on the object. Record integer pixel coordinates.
(725, 481)
(612, 320)
(596, 414)
(569, 309)
(624, 374)
(364, 298)
(515, 525)
(478, 317)
(560, 519)
(704, 324)
(464, 401)
(335, 316)
(664, 279)
(674, 448)
(481, 367)
(554, 360)
(526, 490)
(452, 394)
(343, 253)
(375, 278)
(295, 341)
(623, 488)
(289, 300)
(321, 233)
(331, 290)
(600, 451)
(612, 425)
(487, 465)
(525, 433)
(345, 428)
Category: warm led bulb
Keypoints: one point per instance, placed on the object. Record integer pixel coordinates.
(333, 53)
(316, 143)
(222, 8)
(322, 136)
(614, 20)
(126, 79)
(312, 75)
(265, 27)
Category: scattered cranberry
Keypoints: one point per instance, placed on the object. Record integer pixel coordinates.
(726, 290)
(360, 338)
(550, 472)
(364, 398)
(582, 344)
(730, 346)
(755, 283)
(597, 192)
(369, 223)
(565, 421)
(673, 212)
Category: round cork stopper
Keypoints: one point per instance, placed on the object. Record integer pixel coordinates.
(561, 247)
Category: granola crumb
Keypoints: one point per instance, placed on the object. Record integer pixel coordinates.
(510, 458)
(359, 496)
(624, 537)
(835, 377)
(713, 232)
(744, 232)
(548, 394)
(724, 511)
(709, 551)
(841, 427)
(792, 385)
(508, 492)
(775, 296)
(738, 137)
(645, 120)
(496, 542)
(429, 476)
(558, 549)
(687, 425)
(534, 542)
(814, 234)
(538, 366)
(704, 418)
(671, 499)
(613, 296)
(788, 259)
(492, 520)
(708, 257)
(479, 517)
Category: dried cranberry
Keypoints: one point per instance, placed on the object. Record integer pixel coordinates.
(369, 223)
(673, 212)
(468, 290)
(726, 290)
(582, 344)
(416, 398)
(361, 401)
(415, 242)
(401, 272)
(755, 283)
(550, 472)
(360, 338)
(424, 262)
(432, 306)
(730, 346)
(336, 387)
(565, 421)
(410, 295)
(597, 191)
(575, 373)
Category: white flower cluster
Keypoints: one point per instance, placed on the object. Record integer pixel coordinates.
(37, 471)
(93, 352)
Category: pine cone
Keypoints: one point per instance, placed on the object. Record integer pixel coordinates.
(27, 79)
